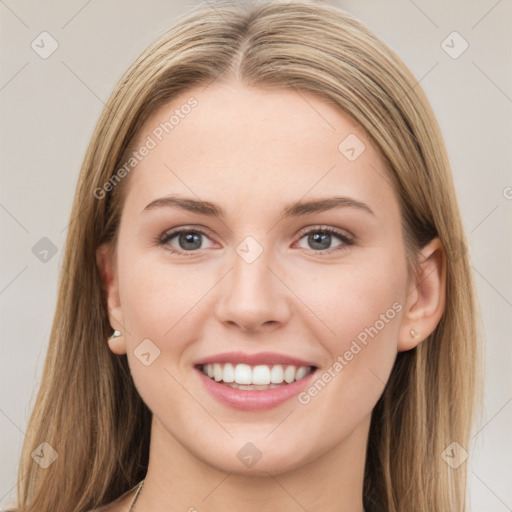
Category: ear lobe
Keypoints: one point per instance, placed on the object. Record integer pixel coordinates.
(426, 301)
(105, 260)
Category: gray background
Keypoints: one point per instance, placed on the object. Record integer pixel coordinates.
(50, 106)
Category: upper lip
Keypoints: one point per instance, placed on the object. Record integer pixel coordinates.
(253, 359)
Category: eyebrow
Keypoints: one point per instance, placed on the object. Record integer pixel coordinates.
(296, 209)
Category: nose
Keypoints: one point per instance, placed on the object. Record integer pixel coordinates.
(253, 297)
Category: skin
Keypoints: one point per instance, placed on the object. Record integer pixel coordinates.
(253, 151)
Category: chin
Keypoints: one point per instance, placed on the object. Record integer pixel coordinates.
(258, 458)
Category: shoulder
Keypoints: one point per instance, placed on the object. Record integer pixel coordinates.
(121, 504)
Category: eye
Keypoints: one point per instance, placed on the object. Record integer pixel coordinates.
(188, 240)
(321, 237)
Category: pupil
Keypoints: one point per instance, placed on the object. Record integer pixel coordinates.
(319, 238)
(189, 238)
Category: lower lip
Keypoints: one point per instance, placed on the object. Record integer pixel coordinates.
(249, 400)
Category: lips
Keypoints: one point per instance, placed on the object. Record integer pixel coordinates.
(267, 358)
(297, 374)
(244, 399)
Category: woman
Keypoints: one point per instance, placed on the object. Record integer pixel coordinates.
(266, 217)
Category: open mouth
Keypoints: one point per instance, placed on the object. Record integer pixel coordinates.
(258, 377)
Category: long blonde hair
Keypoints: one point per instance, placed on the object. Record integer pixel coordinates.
(87, 408)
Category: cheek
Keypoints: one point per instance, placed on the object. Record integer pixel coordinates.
(159, 303)
(157, 297)
(363, 308)
(358, 312)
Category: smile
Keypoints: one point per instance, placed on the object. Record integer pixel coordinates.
(254, 397)
(258, 377)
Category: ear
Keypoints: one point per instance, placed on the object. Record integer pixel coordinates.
(426, 298)
(105, 260)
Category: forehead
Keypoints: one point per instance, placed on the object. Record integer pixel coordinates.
(233, 141)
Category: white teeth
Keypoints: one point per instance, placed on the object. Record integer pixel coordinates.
(261, 375)
(217, 372)
(228, 373)
(243, 375)
(301, 372)
(289, 374)
(277, 374)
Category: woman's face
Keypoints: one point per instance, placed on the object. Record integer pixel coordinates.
(254, 272)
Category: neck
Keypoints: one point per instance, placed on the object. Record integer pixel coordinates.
(180, 480)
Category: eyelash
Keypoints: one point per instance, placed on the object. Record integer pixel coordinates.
(347, 241)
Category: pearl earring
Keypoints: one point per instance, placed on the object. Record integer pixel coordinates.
(115, 334)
